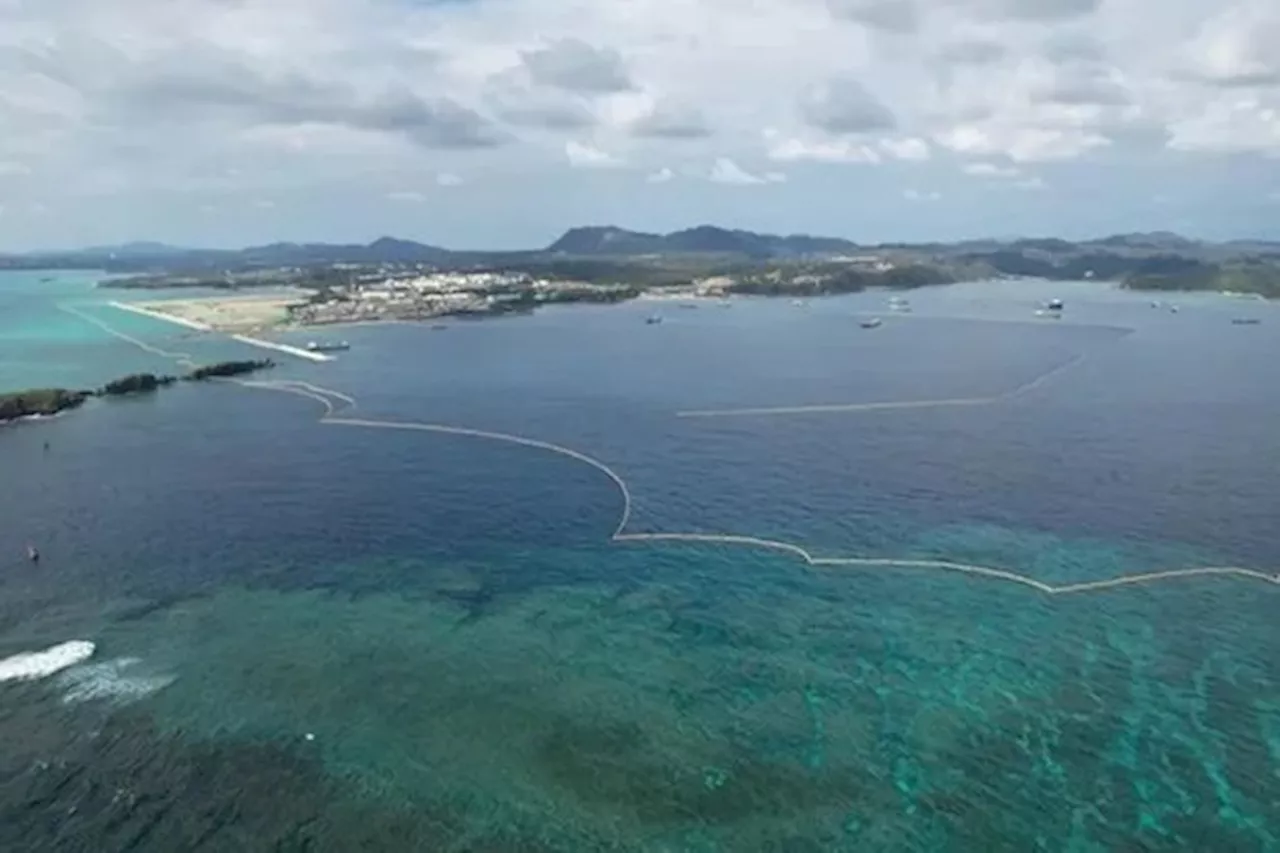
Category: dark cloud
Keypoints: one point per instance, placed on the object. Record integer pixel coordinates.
(576, 66)
(510, 95)
(200, 89)
(1039, 10)
(1252, 79)
(844, 105)
(895, 16)
(1087, 91)
(563, 115)
(973, 52)
(668, 122)
(1073, 47)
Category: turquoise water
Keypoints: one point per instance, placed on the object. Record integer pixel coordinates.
(46, 340)
(328, 637)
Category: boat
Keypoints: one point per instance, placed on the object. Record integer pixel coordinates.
(333, 346)
(1245, 321)
(1054, 305)
(439, 327)
(32, 554)
(653, 320)
(872, 323)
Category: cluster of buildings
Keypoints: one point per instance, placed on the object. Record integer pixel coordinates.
(416, 297)
(424, 295)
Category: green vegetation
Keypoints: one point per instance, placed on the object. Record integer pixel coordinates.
(224, 369)
(1256, 276)
(39, 401)
(50, 401)
(137, 383)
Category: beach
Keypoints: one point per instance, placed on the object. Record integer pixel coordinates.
(242, 318)
(233, 314)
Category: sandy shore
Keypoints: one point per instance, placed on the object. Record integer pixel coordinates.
(235, 314)
(240, 317)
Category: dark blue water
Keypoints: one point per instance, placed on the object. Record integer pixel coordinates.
(478, 667)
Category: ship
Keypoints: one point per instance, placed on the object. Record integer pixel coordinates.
(1245, 321)
(654, 319)
(332, 346)
(872, 323)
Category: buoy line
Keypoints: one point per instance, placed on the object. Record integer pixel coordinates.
(336, 402)
(333, 416)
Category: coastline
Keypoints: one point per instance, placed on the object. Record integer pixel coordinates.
(152, 312)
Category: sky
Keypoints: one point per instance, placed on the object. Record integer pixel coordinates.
(500, 123)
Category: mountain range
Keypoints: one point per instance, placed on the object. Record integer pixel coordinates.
(1023, 256)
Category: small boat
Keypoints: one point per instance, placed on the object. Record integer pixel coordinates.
(32, 554)
(335, 346)
(1245, 321)
(653, 320)
(688, 305)
(1054, 305)
(872, 323)
(1173, 309)
(439, 327)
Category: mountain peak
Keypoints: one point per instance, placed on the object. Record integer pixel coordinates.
(700, 239)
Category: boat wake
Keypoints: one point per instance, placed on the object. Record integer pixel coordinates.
(32, 666)
(118, 681)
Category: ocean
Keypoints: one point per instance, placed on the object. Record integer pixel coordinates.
(318, 634)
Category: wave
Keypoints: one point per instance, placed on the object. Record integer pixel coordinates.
(112, 680)
(29, 666)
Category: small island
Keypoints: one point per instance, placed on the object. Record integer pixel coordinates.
(225, 369)
(47, 402)
(39, 402)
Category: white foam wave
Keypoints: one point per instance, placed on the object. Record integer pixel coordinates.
(113, 680)
(29, 666)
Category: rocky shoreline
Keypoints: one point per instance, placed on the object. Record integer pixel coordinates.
(46, 402)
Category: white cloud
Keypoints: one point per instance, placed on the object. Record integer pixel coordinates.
(448, 179)
(164, 106)
(725, 171)
(1022, 144)
(906, 149)
(660, 176)
(921, 195)
(822, 151)
(1242, 123)
(583, 156)
(990, 170)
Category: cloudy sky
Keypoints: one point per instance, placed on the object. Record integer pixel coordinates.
(498, 123)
